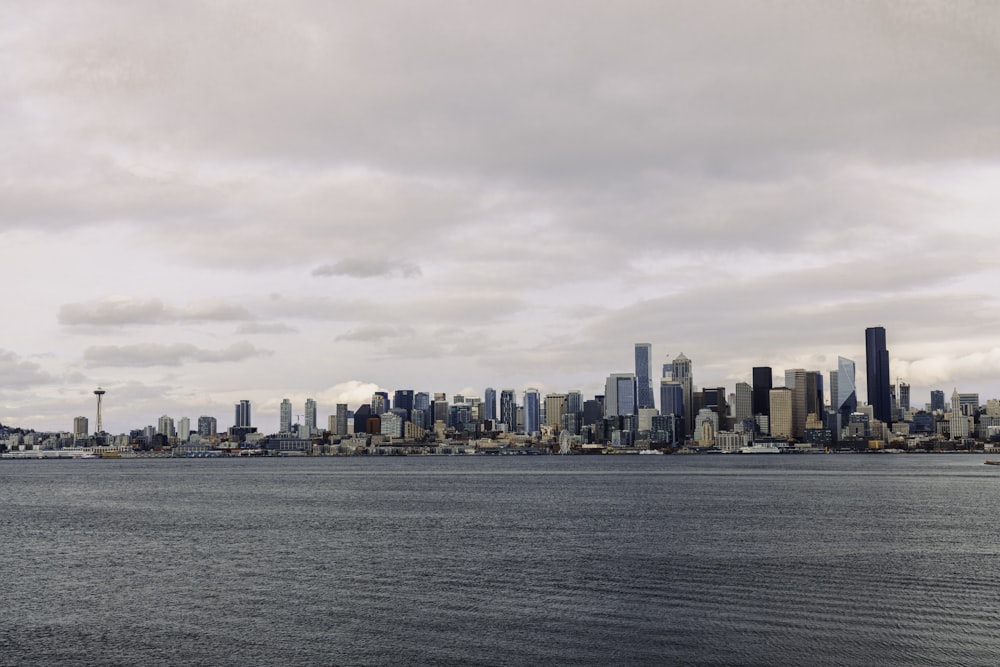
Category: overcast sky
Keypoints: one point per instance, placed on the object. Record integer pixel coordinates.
(203, 202)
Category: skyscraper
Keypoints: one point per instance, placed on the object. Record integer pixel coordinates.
(489, 410)
(285, 416)
(508, 409)
(744, 401)
(243, 414)
(310, 416)
(844, 398)
(403, 399)
(341, 423)
(796, 380)
(781, 413)
(619, 395)
(207, 426)
(531, 411)
(555, 408)
(877, 358)
(81, 427)
(682, 372)
(763, 382)
(937, 400)
(643, 370)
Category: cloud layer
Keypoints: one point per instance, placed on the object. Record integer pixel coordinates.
(452, 195)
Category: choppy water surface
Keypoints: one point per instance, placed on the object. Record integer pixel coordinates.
(818, 560)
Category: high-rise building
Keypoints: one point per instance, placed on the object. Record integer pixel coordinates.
(508, 409)
(285, 416)
(904, 396)
(341, 423)
(380, 402)
(422, 403)
(937, 400)
(243, 414)
(574, 402)
(744, 401)
(682, 372)
(310, 416)
(489, 410)
(780, 419)
(555, 408)
(672, 399)
(877, 366)
(531, 411)
(959, 424)
(643, 372)
(619, 395)
(796, 380)
(403, 399)
(843, 396)
(207, 426)
(81, 427)
(165, 426)
(184, 429)
(763, 382)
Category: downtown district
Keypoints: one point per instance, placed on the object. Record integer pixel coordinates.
(757, 417)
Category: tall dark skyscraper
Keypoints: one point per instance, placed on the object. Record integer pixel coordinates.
(937, 400)
(877, 357)
(643, 380)
(763, 379)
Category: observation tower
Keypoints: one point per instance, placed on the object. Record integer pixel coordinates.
(100, 394)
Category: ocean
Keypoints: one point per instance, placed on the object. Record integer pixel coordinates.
(520, 560)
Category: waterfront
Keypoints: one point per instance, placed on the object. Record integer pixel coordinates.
(836, 560)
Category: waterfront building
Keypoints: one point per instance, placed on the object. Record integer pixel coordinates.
(877, 366)
(285, 417)
(643, 372)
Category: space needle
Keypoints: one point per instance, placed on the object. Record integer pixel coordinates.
(100, 394)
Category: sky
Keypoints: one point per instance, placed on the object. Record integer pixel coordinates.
(202, 202)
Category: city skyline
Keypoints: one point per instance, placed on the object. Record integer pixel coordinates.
(207, 203)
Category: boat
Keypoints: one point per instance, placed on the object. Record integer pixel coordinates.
(760, 449)
(992, 463)
(650, 451)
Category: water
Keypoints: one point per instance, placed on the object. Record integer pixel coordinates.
(715, 560)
